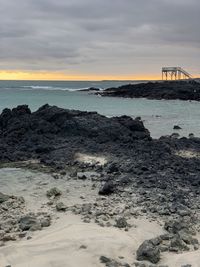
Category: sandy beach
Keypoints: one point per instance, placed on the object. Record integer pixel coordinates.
(69, 241)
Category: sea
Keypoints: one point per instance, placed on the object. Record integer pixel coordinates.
(159, 116)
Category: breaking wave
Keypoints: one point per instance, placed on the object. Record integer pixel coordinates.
(51, 88)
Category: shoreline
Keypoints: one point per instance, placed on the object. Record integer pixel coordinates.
(108, 172)
(164, 90)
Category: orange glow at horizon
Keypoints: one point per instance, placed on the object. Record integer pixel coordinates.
(60, 76)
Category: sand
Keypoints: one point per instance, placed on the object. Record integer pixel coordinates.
(188, 154)
(91, 159)
(60, 244)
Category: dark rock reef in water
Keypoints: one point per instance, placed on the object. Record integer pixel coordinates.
(183, 90)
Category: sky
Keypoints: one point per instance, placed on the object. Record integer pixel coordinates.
(97, 39)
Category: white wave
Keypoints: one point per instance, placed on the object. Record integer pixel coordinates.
(51, 88)
(76, 89)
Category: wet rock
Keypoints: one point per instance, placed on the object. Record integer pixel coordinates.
(177, 127)
(175, 135)
(191, 135)
(148, 251)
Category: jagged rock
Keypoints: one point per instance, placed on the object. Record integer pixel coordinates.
(61, 206)
(174, 226)
(29, 223)
(148, 251)
(107, 189)
(177, 127)
(178, 244)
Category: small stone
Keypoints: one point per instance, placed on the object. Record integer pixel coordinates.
(9, 237)
(36, 227)
(121, 223)
(83, 247)
(138, 264)
(107, 189)
(148, 251)
(164, 248)
(50, 203)
(29, 223)
(104, 259)
(177, 127)
(61, 206)
(191, 135)
(55, 176)
(45, 222)
(81, 176)
(22, 235)
(86, 220)
(53, 192)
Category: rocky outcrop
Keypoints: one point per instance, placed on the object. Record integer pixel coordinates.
(183, 90)
(50, 129)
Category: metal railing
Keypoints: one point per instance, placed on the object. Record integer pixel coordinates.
(175, 73)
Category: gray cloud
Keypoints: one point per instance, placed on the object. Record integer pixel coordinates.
(99, 36)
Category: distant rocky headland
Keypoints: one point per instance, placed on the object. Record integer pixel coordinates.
(169, 90)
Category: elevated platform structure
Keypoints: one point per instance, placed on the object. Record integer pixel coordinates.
(175, 73)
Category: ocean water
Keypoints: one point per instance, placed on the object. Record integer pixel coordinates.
(159, 116)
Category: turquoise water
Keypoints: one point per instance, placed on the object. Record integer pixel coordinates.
(159, 115)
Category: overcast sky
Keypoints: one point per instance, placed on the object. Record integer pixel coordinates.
(103, 37)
